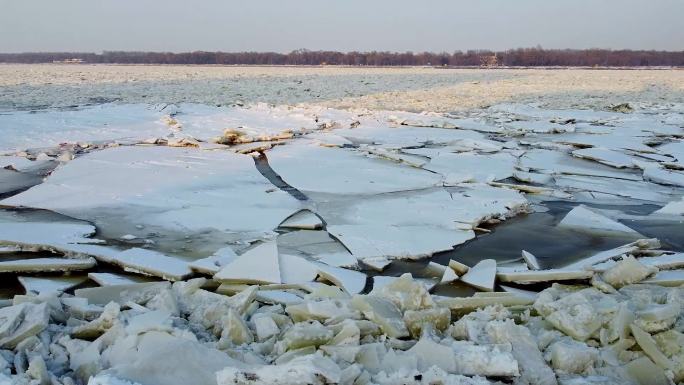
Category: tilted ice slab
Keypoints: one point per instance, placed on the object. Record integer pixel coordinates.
(554, 162)
(608, 157)
(452, 208)
(71, 238)
(135, 260)
(675, 208)
(180, 189)
(46, 265)
(416, 225)
(468, 166)
(50, 284)
(304, 219)
(397, 242)
(114, 279)
(43, 235)
(616, 187)
(675, 149)
(664, 176)
(401, 137)
(309, 167)
(584, 219)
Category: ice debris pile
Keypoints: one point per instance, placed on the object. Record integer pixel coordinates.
(180, 333)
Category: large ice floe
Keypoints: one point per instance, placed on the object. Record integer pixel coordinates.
(191, 244)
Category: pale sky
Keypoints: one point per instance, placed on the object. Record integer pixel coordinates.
(341, 25)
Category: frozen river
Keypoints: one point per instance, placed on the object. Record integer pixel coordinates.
(308, 211)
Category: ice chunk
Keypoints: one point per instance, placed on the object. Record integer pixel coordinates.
(160, 358)
(295, 269)
(530, 260)
(321, 310)
(258, 265)
(520, 292)
(377, 263)
(665, 261)
(448, 276)
(432, 354)
(458, 267)
(574, 357)
(672, 208)
(649, 346)
(278, 297)
(97, 327)
(22, 321)
(304, 334)
(303, 219)
(584, 219)
(664, 176)
(417, 320)
(533, 368)
(312, 369)
(468, 166)
(667, 278)
(608, 157)
(626, 272)
(383, 312)
(484, 360)
(264, 326)
(482, 275)
(406, 293)
(43, 235)
(45, 265)
(645, 372)
(50, 284)
(137, 260)
(579, 314)
(629, 248)
(138, 293)
(353, 173)
(214, 263)
(397, 242)
(113, 279)
(106, 379)
(559, 163)
(340, 259)
(466, 304)
(350, 281)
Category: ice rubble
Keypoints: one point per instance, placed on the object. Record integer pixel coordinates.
(162, 333)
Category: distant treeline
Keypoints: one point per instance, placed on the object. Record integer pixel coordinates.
(526, 57)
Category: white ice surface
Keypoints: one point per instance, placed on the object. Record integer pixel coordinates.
(309, 167)
(105, 122)
(181, 189)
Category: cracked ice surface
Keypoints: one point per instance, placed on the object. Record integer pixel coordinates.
(180, 189)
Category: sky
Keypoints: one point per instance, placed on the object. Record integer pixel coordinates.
(341, 25)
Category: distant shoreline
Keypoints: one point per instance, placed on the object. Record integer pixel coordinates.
(513, 58)
(593, 68)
